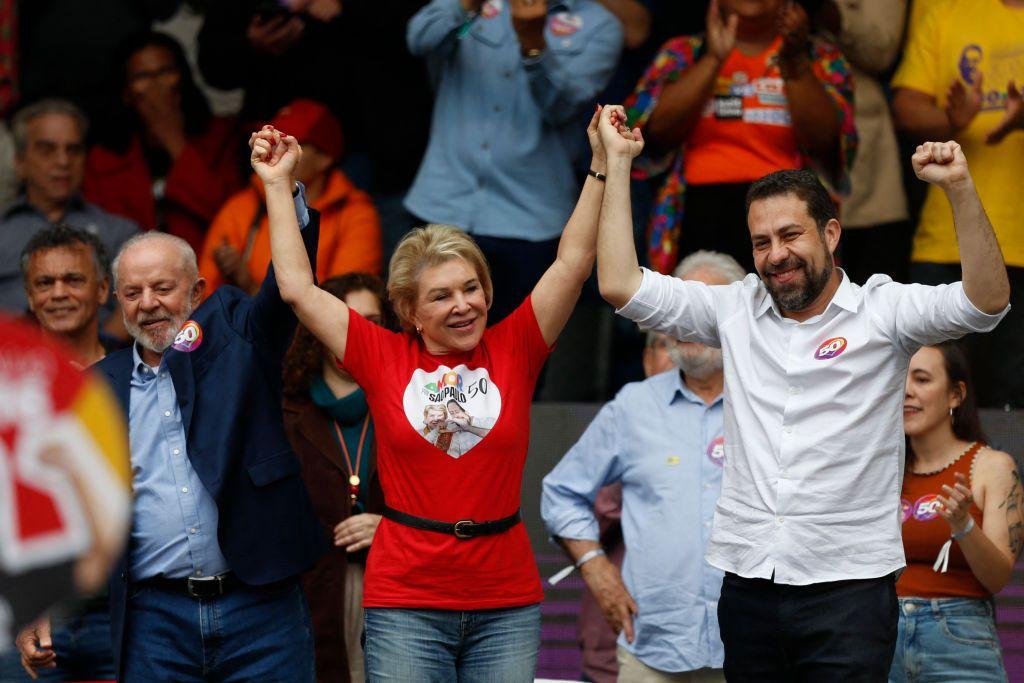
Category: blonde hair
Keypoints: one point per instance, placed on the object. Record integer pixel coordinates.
(422, 248)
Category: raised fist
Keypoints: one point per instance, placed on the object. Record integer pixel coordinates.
(274, 155)
(941, 163)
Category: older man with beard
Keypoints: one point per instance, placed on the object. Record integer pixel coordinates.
(662, 440)
(222, 525)
(807, 527)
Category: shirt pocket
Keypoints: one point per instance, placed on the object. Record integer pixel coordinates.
(274, 468)
(492, 32)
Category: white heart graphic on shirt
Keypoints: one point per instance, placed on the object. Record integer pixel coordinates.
(452, 408)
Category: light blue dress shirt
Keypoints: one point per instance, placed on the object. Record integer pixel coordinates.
(664, 444)
(174, 528)
(505, 129)
(174, 523)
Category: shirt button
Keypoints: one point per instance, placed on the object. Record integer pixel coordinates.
(508, 74)
(787, 429)
(793, 391)
(780, 519)
(707, 486)
(785, 474)
(199, 572)
(176, 451)
(497, 107)
(192, 530)
(184, 489)
(484, 146)
(167, 413)
(707, 524)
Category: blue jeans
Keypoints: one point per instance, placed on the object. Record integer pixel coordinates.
(442, 646)
(949, 639)
(83, 648)
(247, 634)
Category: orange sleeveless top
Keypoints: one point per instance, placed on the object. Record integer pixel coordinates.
(924, 533)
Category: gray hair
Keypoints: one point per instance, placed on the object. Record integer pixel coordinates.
(188, 255)
(723, 264)
(26, 115)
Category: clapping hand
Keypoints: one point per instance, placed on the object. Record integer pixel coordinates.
(1013, 119)
(617, 138)
(941, 163)
(274, 155)
(794, 26)
(956, 504)
(721, 32)
(962, 105)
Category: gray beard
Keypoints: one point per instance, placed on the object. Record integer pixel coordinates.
(699, 365)
(158, 344)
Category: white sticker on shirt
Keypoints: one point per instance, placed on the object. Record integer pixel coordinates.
(490, 9)
(452, 408)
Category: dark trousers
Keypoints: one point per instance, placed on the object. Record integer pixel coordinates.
(715, 218)
(516, 267)
(997, 358)
(834, 631)
(877, 249)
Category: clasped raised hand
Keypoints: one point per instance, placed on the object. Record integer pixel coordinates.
(616, 136)
(274, 155)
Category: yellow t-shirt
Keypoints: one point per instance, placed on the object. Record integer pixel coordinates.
(960, 39)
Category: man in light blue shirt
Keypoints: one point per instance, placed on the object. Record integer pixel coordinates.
(662, 439)
(514, 80)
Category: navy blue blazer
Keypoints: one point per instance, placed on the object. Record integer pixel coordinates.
(229, 392)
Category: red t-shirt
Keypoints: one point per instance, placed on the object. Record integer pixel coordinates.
(452, 435)
(745, 130)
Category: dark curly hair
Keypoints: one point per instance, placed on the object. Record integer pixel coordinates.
(306, 356)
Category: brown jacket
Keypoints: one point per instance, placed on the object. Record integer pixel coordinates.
(326, 476)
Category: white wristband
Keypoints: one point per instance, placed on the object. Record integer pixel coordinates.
(958, 536)
(588, 556)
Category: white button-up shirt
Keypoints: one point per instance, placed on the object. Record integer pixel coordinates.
(814, 442)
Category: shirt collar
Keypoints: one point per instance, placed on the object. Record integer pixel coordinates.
(21, 204)
(845, 297)
(141, 371)
(678, 388)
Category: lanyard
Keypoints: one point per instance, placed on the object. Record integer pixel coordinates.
(353, 480)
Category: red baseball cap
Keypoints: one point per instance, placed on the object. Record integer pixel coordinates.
(311, 123)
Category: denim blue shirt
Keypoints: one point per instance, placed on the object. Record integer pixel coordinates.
(174, 523)
(504, 130)
(664, 444)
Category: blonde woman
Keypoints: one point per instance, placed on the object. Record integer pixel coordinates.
(447, 598)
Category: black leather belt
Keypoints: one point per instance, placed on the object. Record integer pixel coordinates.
(463, 529)
(199, 587)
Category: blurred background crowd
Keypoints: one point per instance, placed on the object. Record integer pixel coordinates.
(127, 115)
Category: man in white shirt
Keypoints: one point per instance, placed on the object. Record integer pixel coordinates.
(807, 528)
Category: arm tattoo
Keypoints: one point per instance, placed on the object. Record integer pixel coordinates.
(1014, 506)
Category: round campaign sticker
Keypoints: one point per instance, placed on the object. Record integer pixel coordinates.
(189, 337)
(927, 508)
(490, 9)
(905, 510)
(565, 24)
(716, 451)
(830, 348)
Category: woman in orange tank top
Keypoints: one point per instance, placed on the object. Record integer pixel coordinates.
(963, 527)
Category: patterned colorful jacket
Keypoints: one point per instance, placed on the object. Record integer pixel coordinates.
(675, 57)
